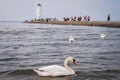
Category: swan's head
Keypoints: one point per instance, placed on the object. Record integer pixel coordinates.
(71, 59)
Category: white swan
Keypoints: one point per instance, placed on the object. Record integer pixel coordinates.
(71, 39)
(55, 70)
(102, 35)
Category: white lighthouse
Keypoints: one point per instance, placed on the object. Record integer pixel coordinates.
(38, 11)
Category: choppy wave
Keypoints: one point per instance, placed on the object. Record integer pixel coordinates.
(24, 47)
(80, 75)
(22, 72)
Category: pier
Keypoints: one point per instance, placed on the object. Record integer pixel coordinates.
(81, 23)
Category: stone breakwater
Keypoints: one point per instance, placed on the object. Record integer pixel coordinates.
(82, 23)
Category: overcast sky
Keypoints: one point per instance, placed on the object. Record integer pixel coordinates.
(20, 10)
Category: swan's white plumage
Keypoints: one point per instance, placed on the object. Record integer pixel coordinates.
(55, 70)
(71, 39)
(102, 35)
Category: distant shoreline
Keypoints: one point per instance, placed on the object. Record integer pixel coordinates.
(82, 23)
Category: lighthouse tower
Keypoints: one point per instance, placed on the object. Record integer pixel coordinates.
(38, 11)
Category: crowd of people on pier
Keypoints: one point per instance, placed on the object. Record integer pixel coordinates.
(79, 18)
(43, 20)
(48, 19)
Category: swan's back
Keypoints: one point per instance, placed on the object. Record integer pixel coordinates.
(53, 70)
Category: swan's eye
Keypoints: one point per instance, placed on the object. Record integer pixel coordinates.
(74, 61)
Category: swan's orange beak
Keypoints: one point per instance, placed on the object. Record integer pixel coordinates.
(74, 62)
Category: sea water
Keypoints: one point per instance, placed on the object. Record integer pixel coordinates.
(26, 46)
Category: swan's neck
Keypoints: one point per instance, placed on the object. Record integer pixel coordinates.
(67, 67)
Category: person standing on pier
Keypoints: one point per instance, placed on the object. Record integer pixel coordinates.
(108, 18)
